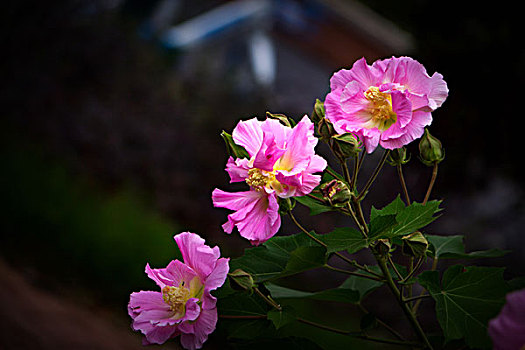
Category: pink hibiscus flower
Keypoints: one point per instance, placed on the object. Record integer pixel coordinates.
(388, 103)
(184, 306)
(282, 164)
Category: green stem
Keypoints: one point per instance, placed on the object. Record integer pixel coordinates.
(412, 270)
(431, 184)
(434, 267)
(326, 328)
(384, 324)
(406, 309)
(395, 268)
(268, 300)
(243, 317)
(318, 241)
(329, 171)
(390, 341)
(353, 273)
(403, 183)
(418, 297)
(373, 177)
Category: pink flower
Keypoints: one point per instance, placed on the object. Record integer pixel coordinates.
(507, 330)
(388, 103)
(184, 306)
(282, 164)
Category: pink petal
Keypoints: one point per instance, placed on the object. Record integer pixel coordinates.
(218, 276)
(203, 326)
(172, 275)
(159, 335)
(197, 255)
(144, 301)
(237, 169)
(249, 135)
(438, 91)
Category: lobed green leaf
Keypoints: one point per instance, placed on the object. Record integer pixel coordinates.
(466, 299)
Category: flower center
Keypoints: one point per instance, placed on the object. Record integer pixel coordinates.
(256, 179)
(176, 297)
(259, 180)
(381, 108)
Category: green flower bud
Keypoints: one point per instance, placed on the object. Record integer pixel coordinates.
(336, 193)
(325, 129)
(232, 148)
(430, 149)
(398, 156)
(286, 204)
(415, 244)
(241, 280)
(282, 118)
(318, 113)
(346, 145)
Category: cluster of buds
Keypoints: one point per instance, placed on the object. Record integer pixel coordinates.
(345, 145)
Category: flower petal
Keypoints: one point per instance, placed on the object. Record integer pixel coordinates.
(249, 135)
(197, 255)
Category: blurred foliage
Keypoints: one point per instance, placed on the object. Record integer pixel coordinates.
(75, 233)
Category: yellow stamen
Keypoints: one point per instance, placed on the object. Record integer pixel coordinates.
(176, 297)
(382, 114)
(256, 179)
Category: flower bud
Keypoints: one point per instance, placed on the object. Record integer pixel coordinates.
(325, 129)
(415, 244)
(241, 280)
(232, 148)
(346, 145)
(430, 149)
(286, 204)
(336, 193)
(318, 112)
(282, 118)
(398, 156)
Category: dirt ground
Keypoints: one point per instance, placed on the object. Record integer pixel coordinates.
(32, 318)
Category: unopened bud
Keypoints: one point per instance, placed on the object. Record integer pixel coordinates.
(415, 244)
(430, 149)
(232, 148)
(318, 113)
(241, 280)
(282, 118)
(398, 156)
(346, 145)
(336, 193)
(325, 129)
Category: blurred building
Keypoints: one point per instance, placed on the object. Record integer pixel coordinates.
(284, 49)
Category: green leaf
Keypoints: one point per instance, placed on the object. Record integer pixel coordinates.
(282, 317)
(343, 295)
(452, 247)
(381, 224)
(409, 218)
(305, 258)
(327, 177)
(279, 257)
(466, 299)
(352, 290)
(344, 238)
(315, 206)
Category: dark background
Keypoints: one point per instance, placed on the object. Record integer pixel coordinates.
(110, 145)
